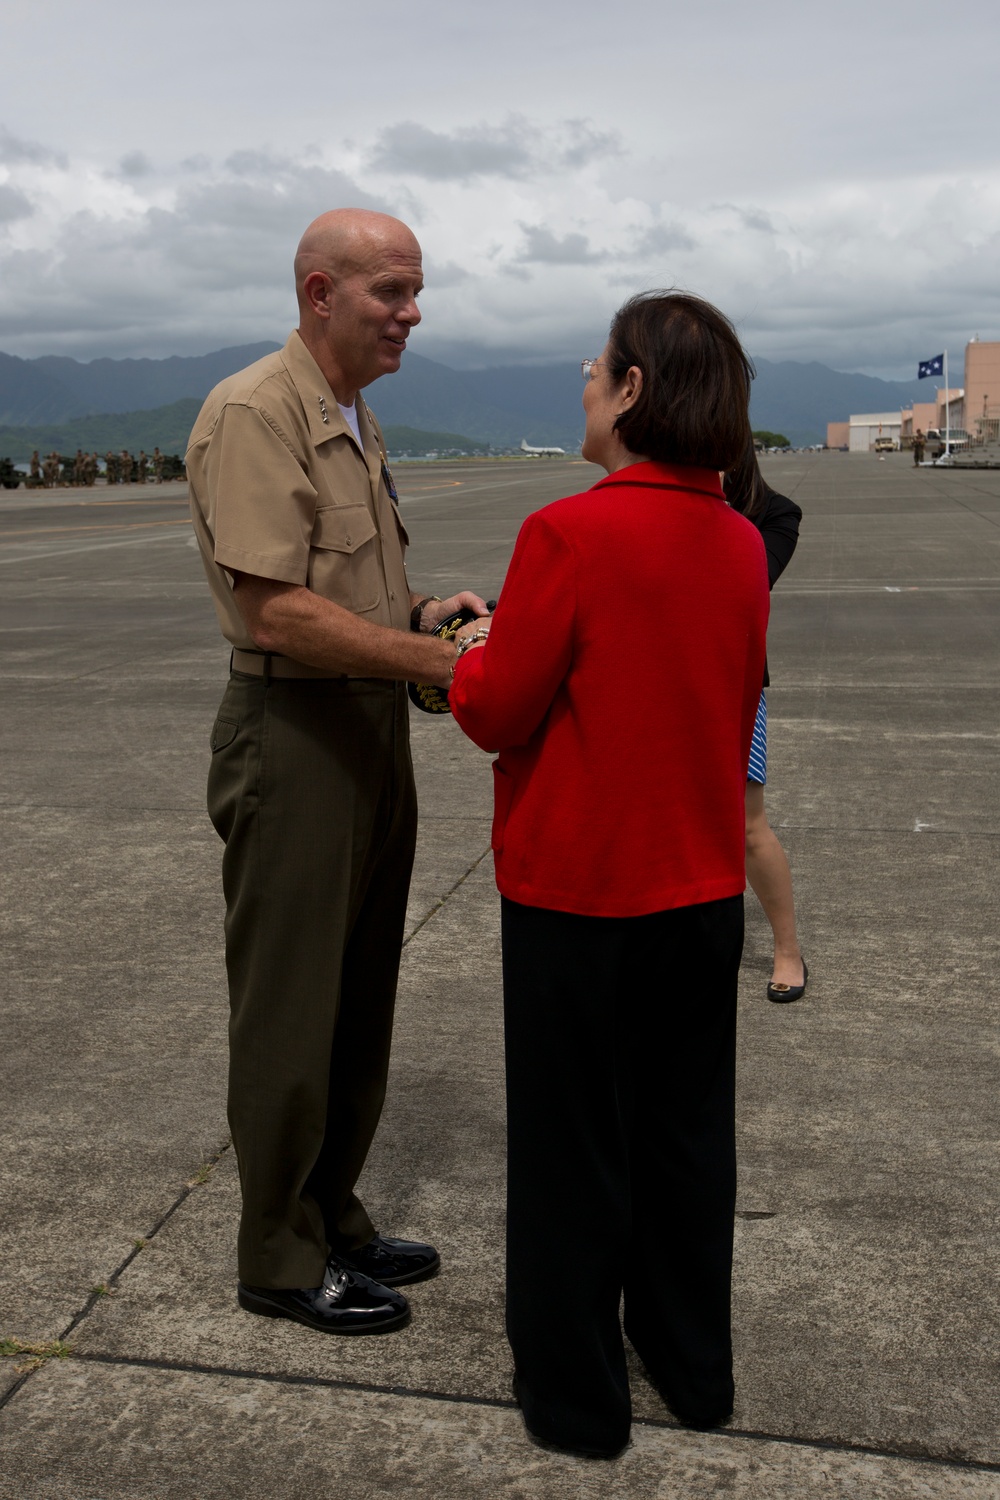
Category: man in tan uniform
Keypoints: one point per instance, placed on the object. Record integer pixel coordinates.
(311, 785)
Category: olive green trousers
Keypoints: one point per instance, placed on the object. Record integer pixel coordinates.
(311, 790)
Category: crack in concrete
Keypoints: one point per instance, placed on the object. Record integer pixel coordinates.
(439, 904)
(111, 1281)
(210, 1163)
(459, 1398)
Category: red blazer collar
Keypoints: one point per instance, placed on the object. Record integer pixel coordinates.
(655, 476)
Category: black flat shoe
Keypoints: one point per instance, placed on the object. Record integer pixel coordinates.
(391, 1262)
(782, 994)
(344, 1303)
(572, 1449)
(703, 1422)
(716, 1410)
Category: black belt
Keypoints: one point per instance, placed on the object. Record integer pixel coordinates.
(269, 664)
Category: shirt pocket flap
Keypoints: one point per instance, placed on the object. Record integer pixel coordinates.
(342, 528)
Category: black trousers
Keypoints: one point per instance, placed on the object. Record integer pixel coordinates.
(311, 787)
(620, 1050)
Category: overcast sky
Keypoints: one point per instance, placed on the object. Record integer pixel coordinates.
(830, 176)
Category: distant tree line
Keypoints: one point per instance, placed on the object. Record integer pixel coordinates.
(765, 439)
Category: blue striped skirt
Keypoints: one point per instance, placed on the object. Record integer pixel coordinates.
(758, 749)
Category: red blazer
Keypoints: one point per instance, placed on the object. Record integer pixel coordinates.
(620, 683)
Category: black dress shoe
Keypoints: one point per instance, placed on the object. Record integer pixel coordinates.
(782, 994)
(391, 1262)
(344, 1303)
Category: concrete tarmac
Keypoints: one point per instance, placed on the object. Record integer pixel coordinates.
(866, 1281)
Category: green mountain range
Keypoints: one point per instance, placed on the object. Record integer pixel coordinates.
(42, 400)
(168, 428)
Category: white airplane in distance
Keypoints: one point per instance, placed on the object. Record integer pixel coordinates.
(540, 452)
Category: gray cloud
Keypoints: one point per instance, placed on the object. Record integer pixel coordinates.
(13, 205)
(517, 149)
(473, 151)
(587, 144)
(251, 163)
(751, 218)
(853, 272)
(661, 239)
(441, 274)
(14, 151)
(213, 269)
(572, 250)
(135, 164)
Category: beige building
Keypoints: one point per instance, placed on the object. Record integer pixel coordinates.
(972, 408)
(864, 429)
(937, 413)
(982, 389)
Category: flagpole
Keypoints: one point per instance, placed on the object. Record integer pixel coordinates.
(947, 410)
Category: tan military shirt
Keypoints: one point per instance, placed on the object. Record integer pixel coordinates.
(279, 488)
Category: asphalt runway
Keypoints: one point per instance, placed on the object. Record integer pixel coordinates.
(866, 1282)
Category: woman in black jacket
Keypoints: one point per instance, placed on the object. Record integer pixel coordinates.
(777, 519)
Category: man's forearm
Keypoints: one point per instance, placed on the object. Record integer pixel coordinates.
(293, 621)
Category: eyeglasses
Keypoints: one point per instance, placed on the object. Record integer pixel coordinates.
(588, 368)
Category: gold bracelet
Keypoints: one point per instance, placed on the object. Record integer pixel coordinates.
(471, 640)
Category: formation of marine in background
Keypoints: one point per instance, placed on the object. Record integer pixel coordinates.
(82, 471)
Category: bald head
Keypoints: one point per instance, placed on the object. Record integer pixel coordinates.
(348, 240)
(357, 278)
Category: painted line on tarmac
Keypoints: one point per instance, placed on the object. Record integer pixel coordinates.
(446, 484)
(133, 541)
(474, 489)
(153, 500)
(156, 500)
(820, 590)
(90, 526)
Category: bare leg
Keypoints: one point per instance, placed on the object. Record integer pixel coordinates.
(771, 882)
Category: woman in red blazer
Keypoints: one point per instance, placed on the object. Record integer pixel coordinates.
(619, 683)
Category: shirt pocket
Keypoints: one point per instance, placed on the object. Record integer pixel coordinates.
(343, 559)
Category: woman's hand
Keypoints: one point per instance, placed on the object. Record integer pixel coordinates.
(471, 628)
(471, 637)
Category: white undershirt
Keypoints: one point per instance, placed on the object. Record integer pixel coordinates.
(350, 416)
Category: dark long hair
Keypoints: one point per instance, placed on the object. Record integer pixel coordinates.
(745, 486)
(694, 404)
